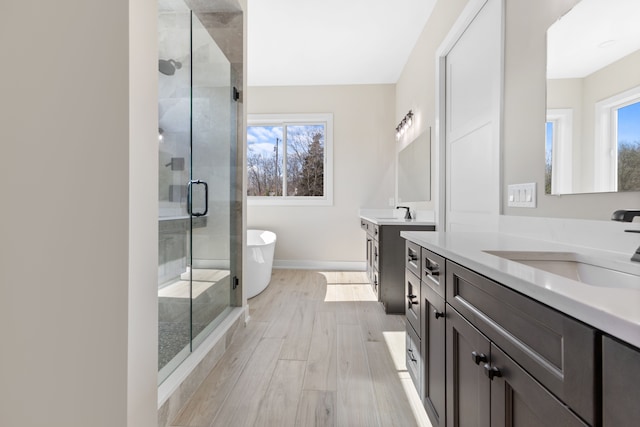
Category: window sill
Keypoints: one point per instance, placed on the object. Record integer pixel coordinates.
(289, 201)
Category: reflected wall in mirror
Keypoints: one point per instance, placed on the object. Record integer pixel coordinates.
(414, 170)
(593, 99)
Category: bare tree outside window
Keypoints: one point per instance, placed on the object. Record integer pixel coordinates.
(286, 159)
(628, 133)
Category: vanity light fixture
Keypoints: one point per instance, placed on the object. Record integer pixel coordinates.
(406, 123)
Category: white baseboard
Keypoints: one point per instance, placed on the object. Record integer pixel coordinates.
(320, 265)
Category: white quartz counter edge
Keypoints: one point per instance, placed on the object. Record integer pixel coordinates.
(396, 221)
(615, 311)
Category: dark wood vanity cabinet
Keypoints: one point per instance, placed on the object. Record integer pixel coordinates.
(386, 261)
(425, 314)
(620, 380)
(543, 359)
(491, 356)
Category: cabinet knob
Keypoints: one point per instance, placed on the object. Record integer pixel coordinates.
(492, 371)
(478, 357)
(439, 314)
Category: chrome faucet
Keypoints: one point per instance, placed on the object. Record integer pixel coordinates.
(407, 215)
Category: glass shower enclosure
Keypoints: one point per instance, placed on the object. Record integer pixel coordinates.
(196, 139)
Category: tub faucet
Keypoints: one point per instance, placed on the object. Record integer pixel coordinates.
(407, 215)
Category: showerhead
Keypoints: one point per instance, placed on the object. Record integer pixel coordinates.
(168, 67)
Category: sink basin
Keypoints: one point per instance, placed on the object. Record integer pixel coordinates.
(391, 219)
(573, 266)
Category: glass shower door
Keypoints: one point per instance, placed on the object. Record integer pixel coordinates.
(174, 153)
(210, 185)
(197, 172)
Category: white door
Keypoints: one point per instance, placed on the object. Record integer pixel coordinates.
(473, 94)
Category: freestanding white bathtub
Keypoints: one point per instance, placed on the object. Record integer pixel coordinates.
(261, 245)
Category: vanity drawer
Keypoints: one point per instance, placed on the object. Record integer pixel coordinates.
(433, 271)
(376, 255)
(554, 348)
(412, 257)
(414, 358)
(414, 299)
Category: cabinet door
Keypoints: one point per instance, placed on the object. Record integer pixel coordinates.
(468, 389)
(520, 401)
(620, 384)
(369, 257)
(433, 351)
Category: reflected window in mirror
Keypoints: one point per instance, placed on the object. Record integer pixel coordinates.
(618, 142)
(558, 151)
(593, 70)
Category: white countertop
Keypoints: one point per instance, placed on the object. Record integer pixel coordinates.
(396, 217)
(615, 311)
(396, 221)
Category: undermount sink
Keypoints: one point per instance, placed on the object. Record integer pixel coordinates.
(573, 266)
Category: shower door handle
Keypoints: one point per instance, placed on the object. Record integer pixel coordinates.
(189, 198)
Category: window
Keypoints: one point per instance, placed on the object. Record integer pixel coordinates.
(558, 151)
(617, 160)
(289, 159)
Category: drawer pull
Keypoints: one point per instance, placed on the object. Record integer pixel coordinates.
(410, 353)
(439, 314)
(431, 267)
(411, 301)
(492, 371)
(478, 357)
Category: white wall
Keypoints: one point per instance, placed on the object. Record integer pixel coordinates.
(142, 369)
(524, 115)
(78, 209)
(364, 174)
(415, 89)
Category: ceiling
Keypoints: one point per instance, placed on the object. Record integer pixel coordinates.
(331, 42)
(592, 35)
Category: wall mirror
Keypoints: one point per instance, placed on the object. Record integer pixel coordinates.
(414, 170)
(593, 99)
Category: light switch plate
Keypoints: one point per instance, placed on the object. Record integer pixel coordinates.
(522, 195)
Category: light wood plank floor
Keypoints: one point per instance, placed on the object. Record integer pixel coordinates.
(318, 351)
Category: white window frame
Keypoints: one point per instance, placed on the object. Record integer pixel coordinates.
(299, 119)
(562, 150)
(606, 139)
